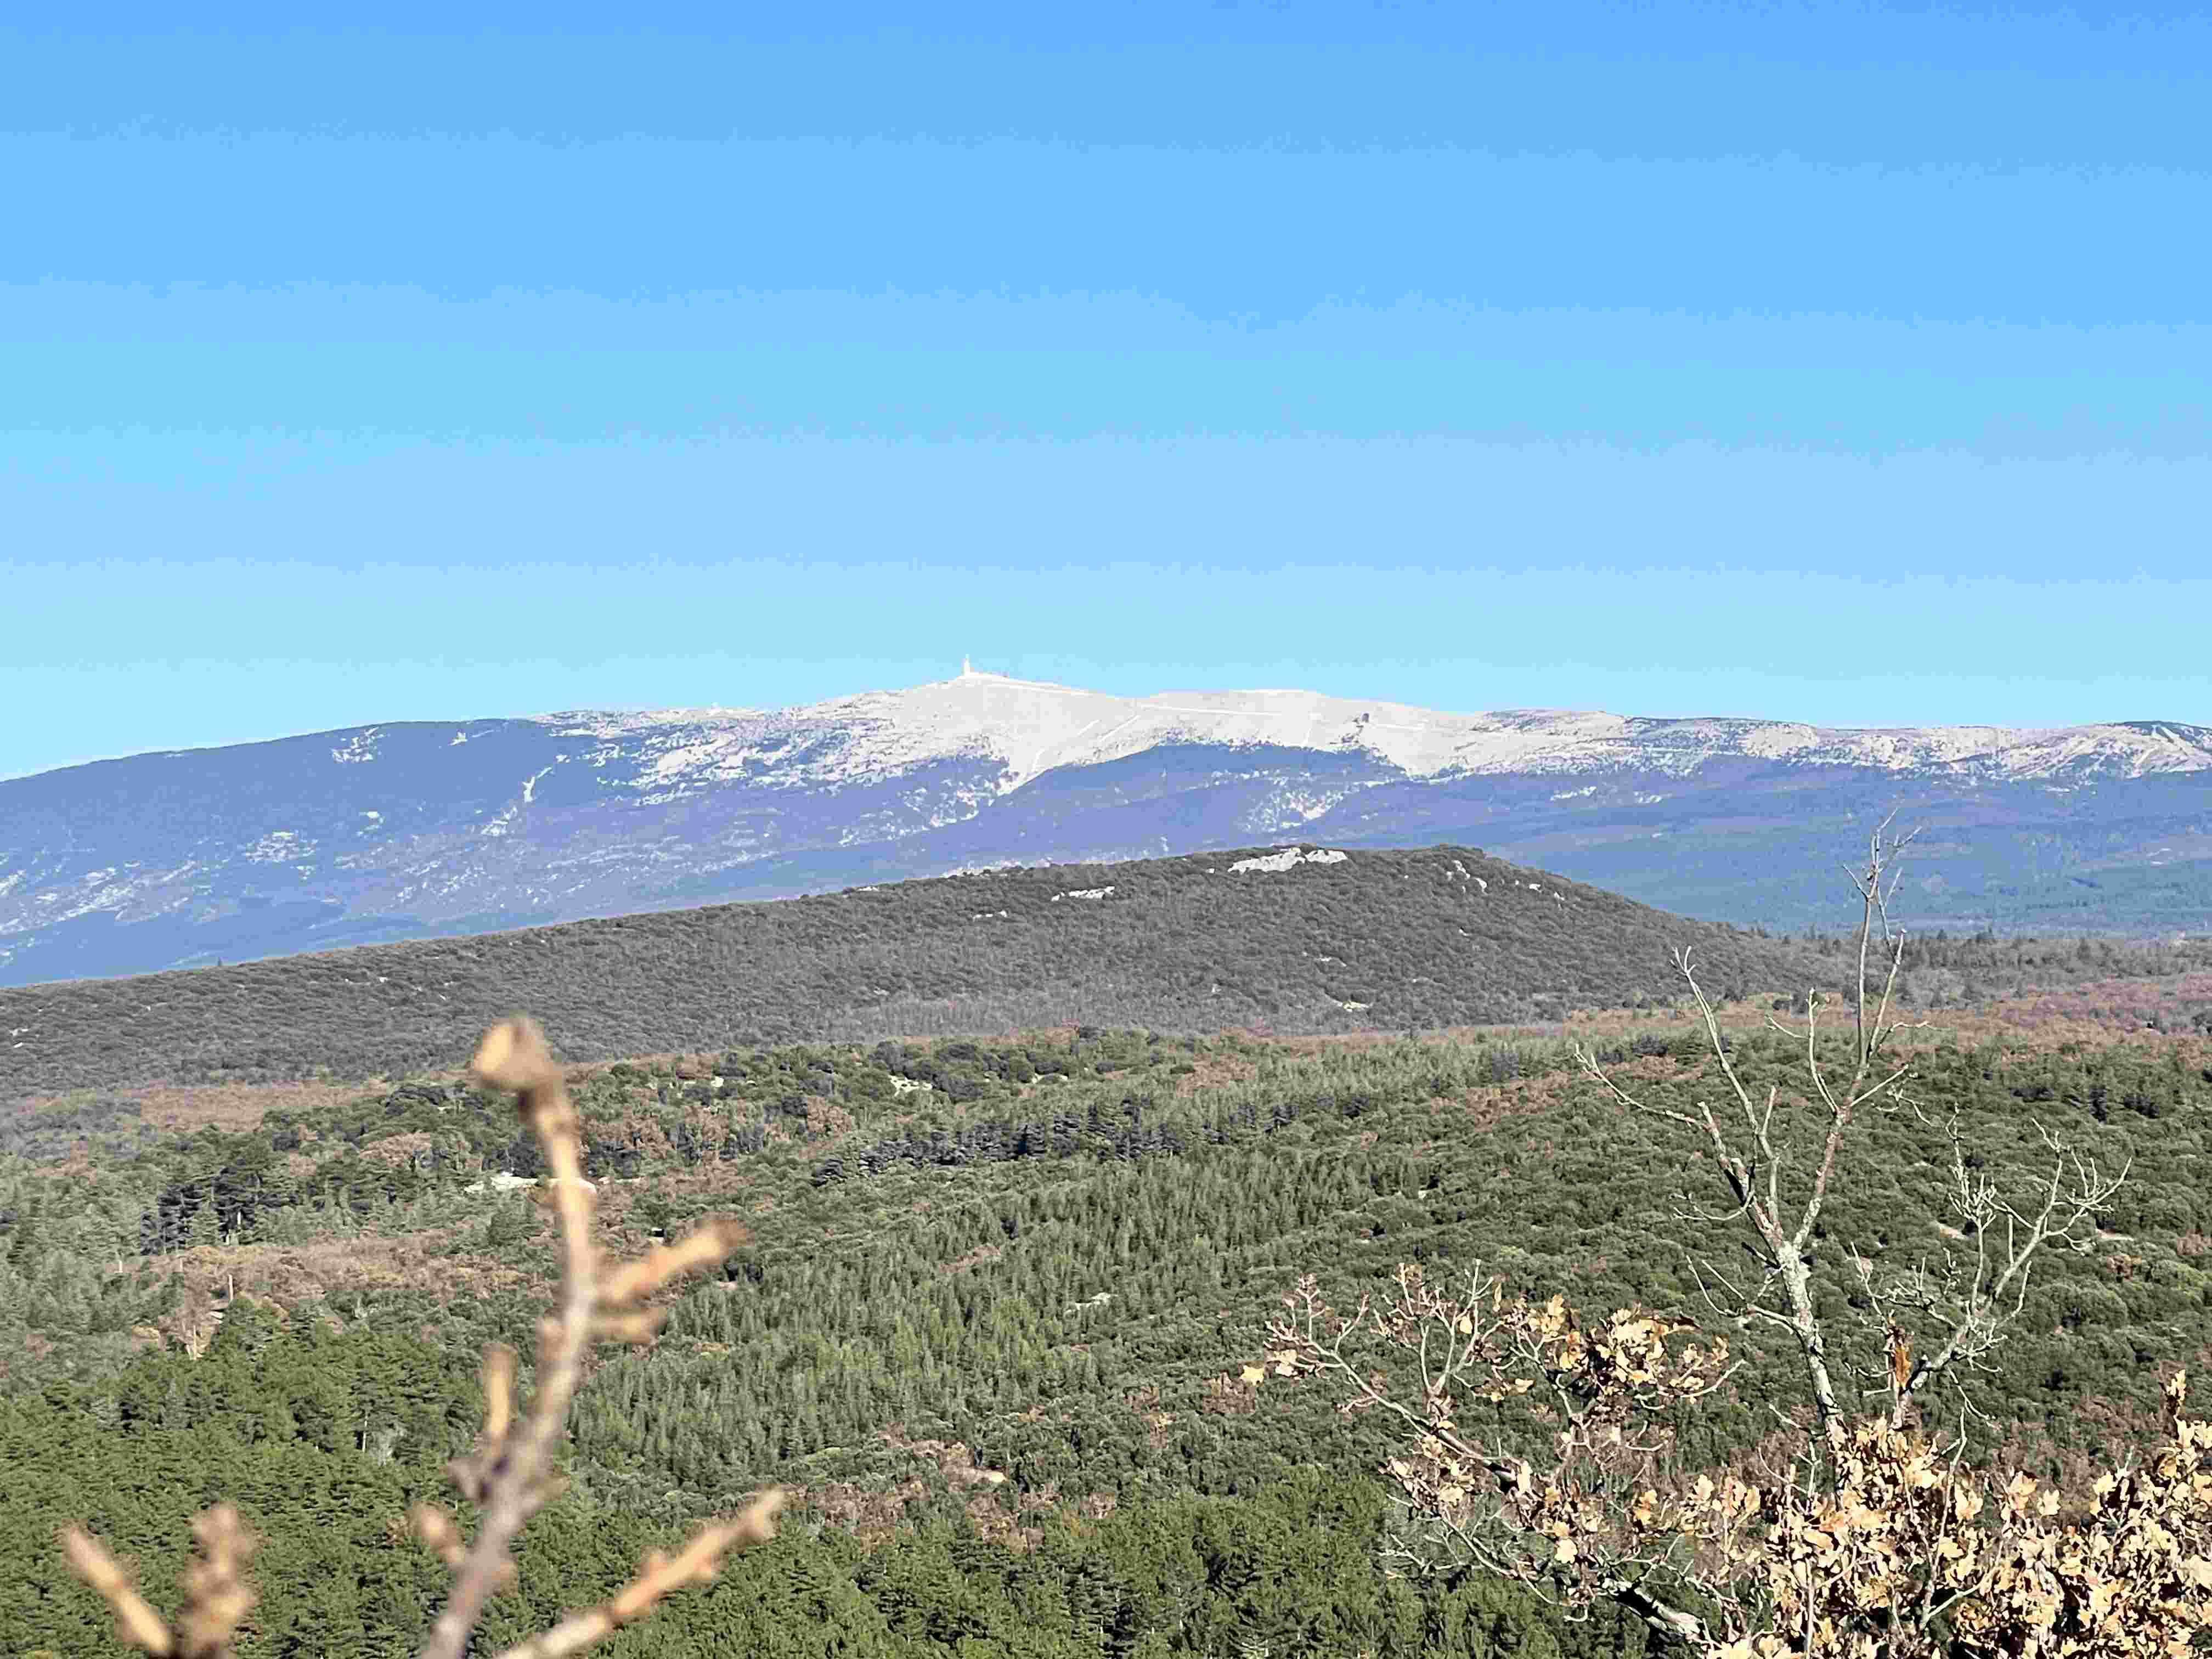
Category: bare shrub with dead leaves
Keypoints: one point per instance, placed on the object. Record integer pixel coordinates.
(510, 1475)
(1541, 1446)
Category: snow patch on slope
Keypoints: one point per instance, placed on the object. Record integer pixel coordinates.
(1288, 859)
(279, 847)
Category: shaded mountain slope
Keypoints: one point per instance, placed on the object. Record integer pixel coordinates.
(1298, 939)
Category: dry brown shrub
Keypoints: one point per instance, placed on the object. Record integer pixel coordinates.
(185, 1107)
(974, 1258)
(337, 1270)
(1215, 1072)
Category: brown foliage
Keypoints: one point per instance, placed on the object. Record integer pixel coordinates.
(1848, 1535)
(1865, 1541)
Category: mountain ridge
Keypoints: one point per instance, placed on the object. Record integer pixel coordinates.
(1507, 739)
(1490, 740)
(1302, 937)
(427, 829)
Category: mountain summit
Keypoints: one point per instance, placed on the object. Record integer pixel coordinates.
(1033, 726)
(429, 828)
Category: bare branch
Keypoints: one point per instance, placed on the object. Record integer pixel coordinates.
(509, 1475)
(698, 1562)
(217, 1596)
(1984, 1302)
(1783, 1226)
(1862, 1538)
(136, 1621)
(509, 1478)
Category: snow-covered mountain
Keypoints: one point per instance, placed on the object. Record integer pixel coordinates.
(413, 829)
(1031, 728)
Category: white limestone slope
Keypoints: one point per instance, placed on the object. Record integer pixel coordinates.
(1027, 728)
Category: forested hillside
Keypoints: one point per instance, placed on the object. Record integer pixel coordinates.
(1301, 940)
(991, 1330)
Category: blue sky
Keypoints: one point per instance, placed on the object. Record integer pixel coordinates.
(1848, 363)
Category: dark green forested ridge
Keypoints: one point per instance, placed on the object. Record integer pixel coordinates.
(974, 1313)
(1381, 940)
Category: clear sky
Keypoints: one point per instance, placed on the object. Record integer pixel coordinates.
(1846, 363)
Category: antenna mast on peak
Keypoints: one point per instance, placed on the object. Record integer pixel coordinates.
(967, 669)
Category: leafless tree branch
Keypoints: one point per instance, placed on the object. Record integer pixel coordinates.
(509, 1475)
(1860, 1538)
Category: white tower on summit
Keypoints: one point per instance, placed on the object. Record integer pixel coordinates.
(967, 669)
